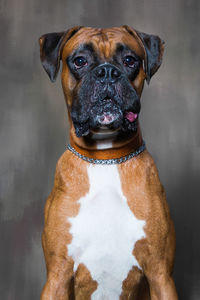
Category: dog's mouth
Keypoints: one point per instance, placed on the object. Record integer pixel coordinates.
(108, 114)
(109, 118)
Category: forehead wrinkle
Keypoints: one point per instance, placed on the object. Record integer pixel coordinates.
(81, 37)
(104, 41)
(119, 35)
(104, 45)
(109, 38)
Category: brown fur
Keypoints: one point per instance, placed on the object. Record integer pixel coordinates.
(146, 199)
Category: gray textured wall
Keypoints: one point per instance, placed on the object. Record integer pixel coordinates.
(34, 127)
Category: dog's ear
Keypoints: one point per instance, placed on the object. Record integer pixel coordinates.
(51, 45)
(153, 48)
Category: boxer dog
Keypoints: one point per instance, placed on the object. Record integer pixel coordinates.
(108, 233)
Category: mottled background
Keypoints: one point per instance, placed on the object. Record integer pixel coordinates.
(34, 127)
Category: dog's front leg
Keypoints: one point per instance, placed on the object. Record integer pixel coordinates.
(163, 288)
(59, 284)
(159, 268)
(58, 287)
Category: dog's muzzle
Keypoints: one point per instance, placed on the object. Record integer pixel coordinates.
(106, 98)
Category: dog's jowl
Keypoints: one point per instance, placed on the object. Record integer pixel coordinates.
(108, 233)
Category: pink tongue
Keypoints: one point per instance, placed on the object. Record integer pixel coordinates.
(131, 116)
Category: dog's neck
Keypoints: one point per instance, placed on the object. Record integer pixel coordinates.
(106, 145)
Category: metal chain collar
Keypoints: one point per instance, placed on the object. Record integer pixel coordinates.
(108, 161)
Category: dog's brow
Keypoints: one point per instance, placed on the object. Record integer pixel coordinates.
(121, 47)
(84, 47)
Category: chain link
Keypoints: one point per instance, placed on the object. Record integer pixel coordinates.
(108, 161)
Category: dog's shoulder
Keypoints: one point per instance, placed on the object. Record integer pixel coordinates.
(141, 175)
(70, 171)
(142, 165)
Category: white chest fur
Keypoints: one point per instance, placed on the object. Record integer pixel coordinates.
(104, 232)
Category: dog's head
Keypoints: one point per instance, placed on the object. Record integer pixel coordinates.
(103, 74)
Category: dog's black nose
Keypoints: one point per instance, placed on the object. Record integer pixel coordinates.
(107, 73)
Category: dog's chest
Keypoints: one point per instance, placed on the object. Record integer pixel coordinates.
(104, 232)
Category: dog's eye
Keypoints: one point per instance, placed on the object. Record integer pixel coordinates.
(129, 61)
(80, 62)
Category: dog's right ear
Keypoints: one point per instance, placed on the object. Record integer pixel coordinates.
(153, 48)
(51, 45)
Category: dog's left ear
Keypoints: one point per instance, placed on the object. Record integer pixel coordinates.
(51, 45)
(153, 48)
